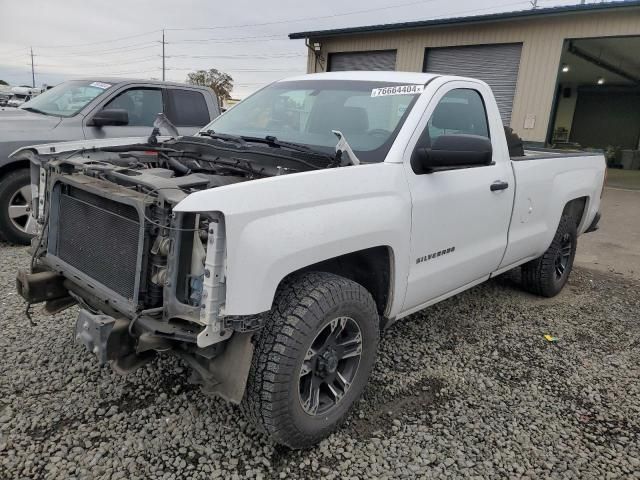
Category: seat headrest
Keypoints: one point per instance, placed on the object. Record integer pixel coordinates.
(353, 120)
(326, 117)
(452, 116)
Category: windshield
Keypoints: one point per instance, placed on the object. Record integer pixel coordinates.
(369, 114)
(66, 99)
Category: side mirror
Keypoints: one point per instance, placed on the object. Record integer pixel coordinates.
(110, 117)
(452, 151)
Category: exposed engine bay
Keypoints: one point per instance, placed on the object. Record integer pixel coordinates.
(147, 278)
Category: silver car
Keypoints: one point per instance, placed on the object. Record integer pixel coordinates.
(84, 110)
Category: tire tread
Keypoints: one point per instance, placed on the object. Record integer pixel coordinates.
(266, 396)
(538, 274)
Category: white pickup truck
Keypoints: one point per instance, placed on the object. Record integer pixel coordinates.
(270, 250)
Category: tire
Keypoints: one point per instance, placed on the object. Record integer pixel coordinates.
(14, 193)
(547, 274)
(308, 308)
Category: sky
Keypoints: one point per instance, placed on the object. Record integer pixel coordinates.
(245, 38)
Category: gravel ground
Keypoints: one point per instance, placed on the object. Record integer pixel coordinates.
(468, 388)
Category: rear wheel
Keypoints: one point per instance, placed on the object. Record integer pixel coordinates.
(547, 274)
(15, 207)
(313, 358)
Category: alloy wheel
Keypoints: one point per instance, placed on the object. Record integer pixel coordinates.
(330, 366)
(563, 256)
(20, 209)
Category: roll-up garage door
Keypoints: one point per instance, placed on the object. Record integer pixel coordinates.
(495, 64)
(378, 60)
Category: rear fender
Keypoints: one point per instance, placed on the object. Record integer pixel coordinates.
(541, 197)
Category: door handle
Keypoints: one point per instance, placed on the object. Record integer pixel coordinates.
(499, 185)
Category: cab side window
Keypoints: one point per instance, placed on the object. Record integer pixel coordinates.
(142, 105)
(460, 111)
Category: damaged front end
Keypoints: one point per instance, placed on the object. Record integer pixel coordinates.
(147, 279)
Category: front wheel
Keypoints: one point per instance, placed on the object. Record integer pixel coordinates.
(547, 274)
(15, 207)
(312, 359)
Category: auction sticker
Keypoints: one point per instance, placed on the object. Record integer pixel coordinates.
(101, 85)
(397, 90)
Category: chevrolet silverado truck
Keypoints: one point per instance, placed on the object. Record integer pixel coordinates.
(87, 109)
(269, 251)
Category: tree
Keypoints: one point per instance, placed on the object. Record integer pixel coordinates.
(2, 82)
(221, 83)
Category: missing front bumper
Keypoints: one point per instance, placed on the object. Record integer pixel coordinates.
(93, 332)
(41, 286)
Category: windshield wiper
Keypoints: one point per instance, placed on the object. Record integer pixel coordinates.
(222, 136)
(260, 151)
(274, 142)
(296, 147)
(268, 140)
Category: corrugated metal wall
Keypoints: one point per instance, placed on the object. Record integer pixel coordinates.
(542, 40)
(495, 64)
(343, 62)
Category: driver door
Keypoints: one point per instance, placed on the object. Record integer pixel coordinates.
(459, 223)
(142, 104)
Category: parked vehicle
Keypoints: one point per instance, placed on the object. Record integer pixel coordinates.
(4, 98)
(19, 95)
(269, 258)
(87, 109)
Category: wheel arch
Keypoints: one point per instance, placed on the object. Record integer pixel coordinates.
(576, 209)
(13, 166)
(370, 267)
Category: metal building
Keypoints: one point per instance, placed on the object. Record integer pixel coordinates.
(561, 75)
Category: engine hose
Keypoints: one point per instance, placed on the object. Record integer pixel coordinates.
(175, 164)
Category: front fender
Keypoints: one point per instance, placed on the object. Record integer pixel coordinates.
(279, 225)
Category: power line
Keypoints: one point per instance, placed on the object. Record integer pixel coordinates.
(10, 52)
(22, 55)
(257, 40)
(242, 70)
(84, 55)
(243, 56)
(295, 20)
(279, 22)
(225, 39)
(243, 39)
(99, 42)
(118, 73)
(130, 72)
(93, 65)
(104, 52)
(123, 49)
(476, 10)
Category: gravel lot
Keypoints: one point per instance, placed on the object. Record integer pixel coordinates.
(469, 387)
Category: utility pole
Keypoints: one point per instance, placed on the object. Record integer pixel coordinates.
(163, 42)
(33, 73)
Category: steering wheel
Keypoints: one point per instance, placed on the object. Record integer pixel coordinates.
(379, 132)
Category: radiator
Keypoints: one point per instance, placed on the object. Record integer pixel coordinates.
(98, 237)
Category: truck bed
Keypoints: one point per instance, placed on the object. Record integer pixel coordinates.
(531, 153)
(541, 186)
